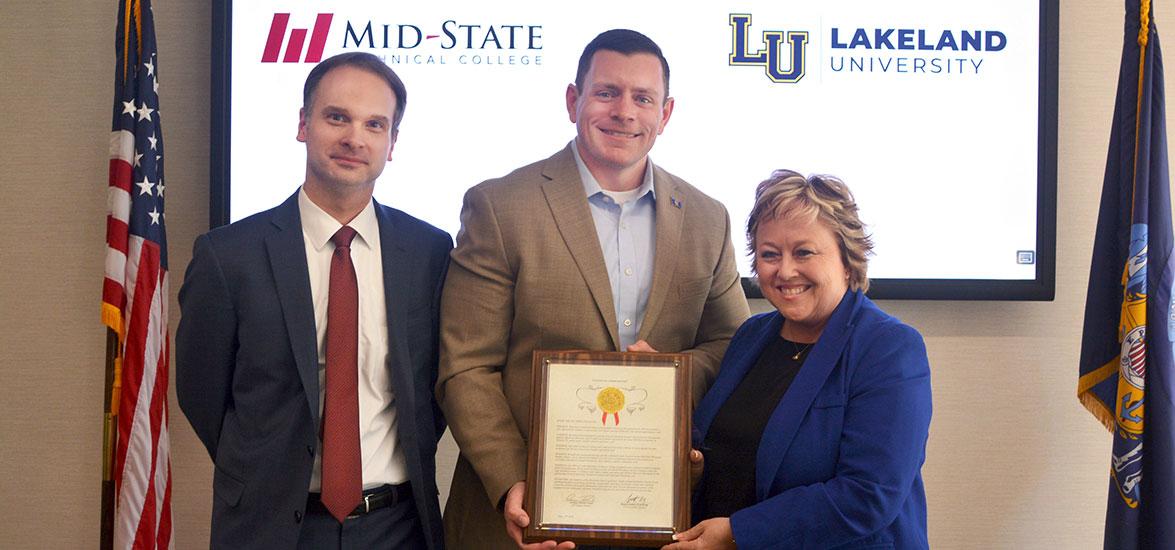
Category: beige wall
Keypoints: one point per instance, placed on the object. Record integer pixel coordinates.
(1013, 460)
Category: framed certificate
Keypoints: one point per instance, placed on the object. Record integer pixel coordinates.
(608, 458)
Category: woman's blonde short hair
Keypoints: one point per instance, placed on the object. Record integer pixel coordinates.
(788, 193)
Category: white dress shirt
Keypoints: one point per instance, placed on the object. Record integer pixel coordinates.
(383, 459)
(626, 223)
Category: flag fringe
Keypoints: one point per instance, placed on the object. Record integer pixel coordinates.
(1086, 383)
(1098, 410)
(112, 317)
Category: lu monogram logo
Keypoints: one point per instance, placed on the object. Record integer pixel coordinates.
(771, 56)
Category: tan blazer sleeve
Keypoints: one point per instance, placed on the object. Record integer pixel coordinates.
(476, 311)
(725, 310)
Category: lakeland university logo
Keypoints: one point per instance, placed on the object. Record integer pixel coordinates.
(771, 57)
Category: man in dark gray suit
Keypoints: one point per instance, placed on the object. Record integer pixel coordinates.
(306, 353)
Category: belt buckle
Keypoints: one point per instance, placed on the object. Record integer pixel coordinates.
(366, 508)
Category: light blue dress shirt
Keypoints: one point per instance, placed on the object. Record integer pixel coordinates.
(627, 233)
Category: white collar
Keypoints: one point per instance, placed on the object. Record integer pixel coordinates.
(319, 227)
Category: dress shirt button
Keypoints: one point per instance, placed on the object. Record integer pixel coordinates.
(624, 226)
(628, 322)
(628, 271)
(297, 516)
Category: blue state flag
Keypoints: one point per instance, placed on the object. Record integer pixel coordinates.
(1127, 344)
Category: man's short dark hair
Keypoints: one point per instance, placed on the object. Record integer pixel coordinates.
(623, 41)
(363, 61)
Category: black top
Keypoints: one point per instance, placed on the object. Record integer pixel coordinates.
(733, 439)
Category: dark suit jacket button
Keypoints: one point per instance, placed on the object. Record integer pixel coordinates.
(310, 450)
(297, 516)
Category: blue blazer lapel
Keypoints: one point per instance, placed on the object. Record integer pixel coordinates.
(287, 260)
(740, 357)
(793, 407)
(395, 266)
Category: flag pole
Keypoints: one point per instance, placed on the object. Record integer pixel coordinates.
(109, 434)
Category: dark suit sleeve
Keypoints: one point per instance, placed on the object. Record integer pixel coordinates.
(881, 448)
(438, 287)
(205, 344)
(725, 310)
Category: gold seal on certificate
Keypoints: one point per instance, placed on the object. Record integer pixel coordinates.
(611, 401)
(608, 457)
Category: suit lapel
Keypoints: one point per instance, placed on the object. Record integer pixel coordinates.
(742, 358)
(287, 261)
(565, 197)
(395, 265)
(793, 407)
(670, 217)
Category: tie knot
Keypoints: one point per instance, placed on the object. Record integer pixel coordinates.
(342, 238)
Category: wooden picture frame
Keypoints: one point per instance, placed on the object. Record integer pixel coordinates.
(608, 459)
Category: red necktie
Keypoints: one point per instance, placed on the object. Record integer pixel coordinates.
(342, 473)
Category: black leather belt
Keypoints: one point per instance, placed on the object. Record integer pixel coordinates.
(373, 499)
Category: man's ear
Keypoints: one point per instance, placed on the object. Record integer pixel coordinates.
(666, 112)
(572, 98)
(302, 125)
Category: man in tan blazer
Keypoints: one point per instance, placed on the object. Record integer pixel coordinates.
(547, 257)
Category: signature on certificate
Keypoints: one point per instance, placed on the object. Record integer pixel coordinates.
(635, 501)
(580, 500)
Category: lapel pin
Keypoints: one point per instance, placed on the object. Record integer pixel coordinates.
(676, 203)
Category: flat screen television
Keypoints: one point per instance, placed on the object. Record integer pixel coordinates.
(940, 116)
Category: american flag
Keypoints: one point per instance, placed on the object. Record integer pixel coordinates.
(135, 292)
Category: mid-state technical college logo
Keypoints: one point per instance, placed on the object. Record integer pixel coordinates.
(411, 44)
(277, 34)
(897, 51)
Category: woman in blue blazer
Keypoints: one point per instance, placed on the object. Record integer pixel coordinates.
(814, 432)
